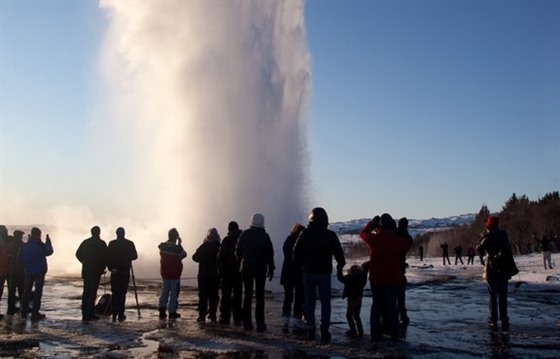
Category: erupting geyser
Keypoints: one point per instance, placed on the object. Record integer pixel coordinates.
(209, 99)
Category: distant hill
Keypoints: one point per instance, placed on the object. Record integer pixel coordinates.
(415, 226)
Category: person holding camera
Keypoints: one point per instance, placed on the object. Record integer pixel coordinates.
(33, 258)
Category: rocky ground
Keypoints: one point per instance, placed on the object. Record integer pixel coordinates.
(447, 307)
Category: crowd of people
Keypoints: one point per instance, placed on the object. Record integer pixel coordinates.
(233, 271)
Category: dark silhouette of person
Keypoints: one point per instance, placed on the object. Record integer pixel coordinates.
(171, 255)
(386, 276)
(354, 283)
(544, 241)
(3, 260)
(16, 275)
(445, 253)
(495, 243)
(231, 281)
(459, 254)
(402, 230)
(292, 281)
(33, 258)
(421, 252)
(92, 253)
(470, 254)
(208, 282)
(255, 254)
(120, 254)
(313, 253)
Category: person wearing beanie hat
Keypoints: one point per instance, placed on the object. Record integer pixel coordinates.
(499, 266)
(231, 282)
(257, 220)
(255, 254)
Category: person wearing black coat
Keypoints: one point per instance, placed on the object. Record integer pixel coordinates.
(92, 253)
(232, 284)
(292, 280)
(313, 253)
(16, 275)
(208, 282)
(495, 244)
(255, 253)
(120, 254)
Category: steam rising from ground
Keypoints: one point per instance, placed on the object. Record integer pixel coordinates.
(208, 100)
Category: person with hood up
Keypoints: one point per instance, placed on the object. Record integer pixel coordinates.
(33, 258)
(232, 284)
(171, 254)
(313, 253)
(292, 280)
(387, 248)
(16, 275)
(92, 253)
(497, 270)
(255, 254)
(208, 281)
(120, 254)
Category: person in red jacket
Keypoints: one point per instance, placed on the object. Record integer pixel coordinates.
(171, 267)
(386, 249)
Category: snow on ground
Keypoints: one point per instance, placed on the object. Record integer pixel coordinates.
(447, 306)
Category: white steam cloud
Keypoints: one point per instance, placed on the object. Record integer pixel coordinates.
(208, 99)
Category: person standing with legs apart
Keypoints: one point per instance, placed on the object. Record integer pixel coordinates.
(354, 283)
(499, 266)
(292, 280)
(92, 253)
(313, 253)
(33, 258)
(459, 254)
(120, 254)
(255, 254)
(171, 254)
(208, 282)
(232, 284)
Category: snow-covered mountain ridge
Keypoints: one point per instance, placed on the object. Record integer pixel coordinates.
(415, 226)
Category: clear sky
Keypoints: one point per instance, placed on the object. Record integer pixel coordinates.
(418, 108)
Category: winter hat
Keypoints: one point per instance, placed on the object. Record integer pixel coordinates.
(232, 226)
(491, 223)
(257, 220)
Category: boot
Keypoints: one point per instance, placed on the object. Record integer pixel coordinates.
(298, 325)
(162, 314)
(285, 324)
(325, 336)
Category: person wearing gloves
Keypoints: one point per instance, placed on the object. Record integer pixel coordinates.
(255, 254)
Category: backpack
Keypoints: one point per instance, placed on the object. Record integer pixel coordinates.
(503, 264)
(103, 306)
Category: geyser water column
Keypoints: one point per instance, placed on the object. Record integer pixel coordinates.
(209, 100)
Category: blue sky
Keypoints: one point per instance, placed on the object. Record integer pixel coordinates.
(418, 108)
